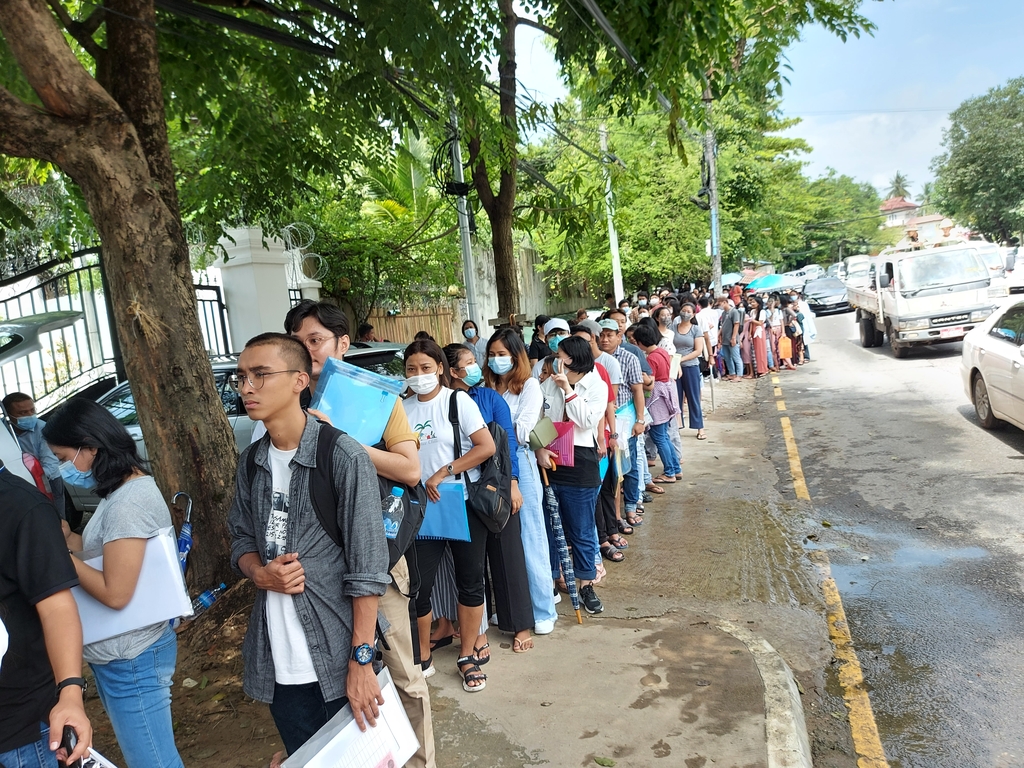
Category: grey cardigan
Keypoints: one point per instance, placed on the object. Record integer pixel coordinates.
(334, 575)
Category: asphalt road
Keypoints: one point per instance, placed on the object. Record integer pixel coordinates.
(921, 512)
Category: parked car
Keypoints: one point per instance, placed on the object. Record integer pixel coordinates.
(826, 295)
(383, 358)
(992, 367)
(836, 270)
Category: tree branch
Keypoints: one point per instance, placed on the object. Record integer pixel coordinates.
(25, 131)
(77, 30)
(549, 31)
(481, 182)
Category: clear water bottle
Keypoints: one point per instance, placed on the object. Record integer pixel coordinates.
(393, 512)
(202, 603)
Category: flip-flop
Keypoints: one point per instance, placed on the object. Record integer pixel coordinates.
(634, 521)
(664, 480)
(617, 541)
(702, 437)
(652, 488)
(441, 642)
(481, 660)
(520, 646)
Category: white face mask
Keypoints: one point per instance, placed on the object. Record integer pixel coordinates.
(423, 384)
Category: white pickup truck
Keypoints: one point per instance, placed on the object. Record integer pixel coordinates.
(924, 294)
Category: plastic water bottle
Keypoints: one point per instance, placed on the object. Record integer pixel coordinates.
(202, 603)
(393, 512)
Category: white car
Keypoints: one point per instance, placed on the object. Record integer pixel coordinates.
(992, 366)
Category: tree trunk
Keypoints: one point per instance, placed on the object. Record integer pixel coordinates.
(500, 207)
(90, 138)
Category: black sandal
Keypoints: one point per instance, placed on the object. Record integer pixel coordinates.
(476, 654)
(471, 675)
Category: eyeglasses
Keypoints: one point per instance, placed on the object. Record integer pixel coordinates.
(255, 379)
(313, 343)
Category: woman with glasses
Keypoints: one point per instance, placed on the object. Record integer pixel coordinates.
(426, 370)
(133, 670)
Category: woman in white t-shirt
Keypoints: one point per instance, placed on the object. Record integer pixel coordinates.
(426, 371)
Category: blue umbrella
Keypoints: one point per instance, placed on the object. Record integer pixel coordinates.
(731, 278)
(773, 283)
(185, 536)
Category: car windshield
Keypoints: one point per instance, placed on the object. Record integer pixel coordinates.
(931, 270)
(858, 268)
(827, 285)
(992, 258)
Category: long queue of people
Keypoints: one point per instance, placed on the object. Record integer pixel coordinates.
(331, 599)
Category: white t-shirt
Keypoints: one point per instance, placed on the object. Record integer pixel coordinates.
(292, 663)
(611, 365)
(437, 440)
(707, 321)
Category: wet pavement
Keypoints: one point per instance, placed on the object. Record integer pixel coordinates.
(919, 512)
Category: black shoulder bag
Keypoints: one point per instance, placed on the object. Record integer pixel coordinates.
(490, 497)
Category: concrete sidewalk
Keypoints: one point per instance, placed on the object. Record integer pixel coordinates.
(690, 664)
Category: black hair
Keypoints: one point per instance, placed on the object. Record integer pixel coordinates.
(84, 423)
(609, 295)
(363, 329)
(429, 348)
(452, 353)
(470, 322)
(292, 350)
(422, 336)
(541, 321)
(11, 399)
(704, 301)
(616, 311)
(649, 322)
(641, 293)
(579, 352)
(646, 336)
(759, 301)
(328, 315)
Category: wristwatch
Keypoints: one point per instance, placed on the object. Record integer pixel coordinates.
(639, 421)
(451, 469)
(614, 436)
(79, 681)
(362, 654)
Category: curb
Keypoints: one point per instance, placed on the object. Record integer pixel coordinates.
(785, 728)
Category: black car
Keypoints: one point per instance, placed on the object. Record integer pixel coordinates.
(826, 295)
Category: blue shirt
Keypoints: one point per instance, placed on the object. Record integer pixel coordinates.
(32, 442)
(494, 408)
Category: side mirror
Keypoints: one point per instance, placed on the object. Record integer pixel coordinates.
(883, 280)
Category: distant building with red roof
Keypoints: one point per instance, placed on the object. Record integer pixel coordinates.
(898, 211)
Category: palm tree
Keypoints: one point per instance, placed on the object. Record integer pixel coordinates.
(899, 186)
(927, 193)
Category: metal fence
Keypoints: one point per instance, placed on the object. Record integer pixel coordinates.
(294, 296)
(71, 357)
(213, 319)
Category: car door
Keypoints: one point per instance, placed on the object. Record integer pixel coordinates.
(1015, 408)
(999, 359)
(240, 422)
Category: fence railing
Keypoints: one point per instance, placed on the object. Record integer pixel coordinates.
(71, 357)
(213, 319)
(437, 321)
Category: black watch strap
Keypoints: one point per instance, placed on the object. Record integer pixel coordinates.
(79, 681)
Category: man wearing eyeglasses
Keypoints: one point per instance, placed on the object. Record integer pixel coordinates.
(324, 330)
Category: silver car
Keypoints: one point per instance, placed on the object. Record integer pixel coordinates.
(992, 367)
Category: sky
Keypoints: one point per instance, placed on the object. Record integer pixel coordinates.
(878, 104)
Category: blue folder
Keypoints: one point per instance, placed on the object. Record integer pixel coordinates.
(357, 401)
(447, 518)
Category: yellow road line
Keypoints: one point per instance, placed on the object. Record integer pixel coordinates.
(795, 467)
(866, 740)
(775, 379)
(780, 404)
(778, 391)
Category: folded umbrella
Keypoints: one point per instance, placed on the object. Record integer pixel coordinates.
(185, 535)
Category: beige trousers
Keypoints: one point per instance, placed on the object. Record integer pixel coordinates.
(407, 674)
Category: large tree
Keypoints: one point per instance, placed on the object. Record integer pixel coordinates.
(980, 176)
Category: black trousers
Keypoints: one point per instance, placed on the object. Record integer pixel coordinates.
(468, 557)
(507, 578)
(299, 711)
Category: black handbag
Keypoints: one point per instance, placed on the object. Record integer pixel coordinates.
(490, 497)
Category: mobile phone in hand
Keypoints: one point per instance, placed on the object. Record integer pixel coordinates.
(68, 743)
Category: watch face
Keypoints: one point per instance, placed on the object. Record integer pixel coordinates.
(363, 653)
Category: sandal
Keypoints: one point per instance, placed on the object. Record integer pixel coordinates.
(441, 643)
(477, 658)
(471, 675)
(652, 488)
(701, 435)
(664, 480)
(618, 542)
(623, 527)
(633, 519)
(611, 552)
(522, 646)
(428, 666)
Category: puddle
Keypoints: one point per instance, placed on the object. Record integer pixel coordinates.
(914, 556)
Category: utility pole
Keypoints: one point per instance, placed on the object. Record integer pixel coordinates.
(609, 205)
(468, 268)
(710, 150)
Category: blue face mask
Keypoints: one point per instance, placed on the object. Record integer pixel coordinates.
(473, 375)
(500, 365)
(642, 302)
(554, 341)
(27, 423)
(74, 476)
(469, 333)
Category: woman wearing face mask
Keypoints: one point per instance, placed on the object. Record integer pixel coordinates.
(426, 370)
(133, 670)
(758, 318)
(663, 318)
(505, 553)
(508, 373)
(473, 342)
(689, 342)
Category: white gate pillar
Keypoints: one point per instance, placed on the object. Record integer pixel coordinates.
(255, 281)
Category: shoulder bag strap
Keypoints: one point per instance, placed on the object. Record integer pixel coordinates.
(453, 417)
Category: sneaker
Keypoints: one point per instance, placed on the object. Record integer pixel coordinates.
(544, 627)
(558, 597)
(590, 599)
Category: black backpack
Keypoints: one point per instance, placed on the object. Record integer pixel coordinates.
(325, 502)
(490, 497)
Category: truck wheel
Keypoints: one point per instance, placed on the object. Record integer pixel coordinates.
(867, 332)
(983, 406)
(879, 338)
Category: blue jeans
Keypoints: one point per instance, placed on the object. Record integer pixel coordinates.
(535, 537)
(733, 360)
(689, 385)
(642, 455)
(577, 506)
(659, 432)
(631, 482)
(136, 693)
(34, 755)
(299, 711)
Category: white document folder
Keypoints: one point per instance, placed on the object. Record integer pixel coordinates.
(340, 743)
(160, 593)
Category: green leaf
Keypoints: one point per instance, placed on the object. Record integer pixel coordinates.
(607, 762)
